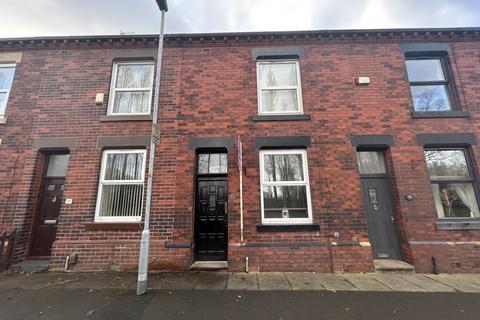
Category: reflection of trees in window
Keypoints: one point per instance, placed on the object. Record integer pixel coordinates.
(430, 99)
(278, 83)
(212, 163)
(279, 167)
(446, 163)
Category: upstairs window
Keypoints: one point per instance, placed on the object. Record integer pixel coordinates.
(120, 194)
(131, 88)
(6, 78)
(285, 187)
(278, 87)
(453, 183)
(429, 84)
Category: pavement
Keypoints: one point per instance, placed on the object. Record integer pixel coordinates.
(266, 281)
(224, 295)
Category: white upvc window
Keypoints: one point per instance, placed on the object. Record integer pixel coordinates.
(6, 79)
(120, 191)
(285, 188)
(131, 88)
(279, 89)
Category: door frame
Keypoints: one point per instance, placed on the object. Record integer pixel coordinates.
(36, 213)
(387, 177)
(207, 177)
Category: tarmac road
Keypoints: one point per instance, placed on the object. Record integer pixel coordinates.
(53, 303)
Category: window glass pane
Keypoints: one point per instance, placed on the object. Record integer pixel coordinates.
(279, 100)
(212, 163)
(282, 167)
(446, 164)
(121, 200)
(57, 165)
(6, 77)
(425, 70)
(430, 98)
(203, 160)
(134, 76)
(131, 102)
(277, 74)
(370, 162)
(455, 200)
(124, 166)
(3, 103)
(285, 202)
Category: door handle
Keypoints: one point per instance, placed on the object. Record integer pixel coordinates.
(50, 221)
(392, 218)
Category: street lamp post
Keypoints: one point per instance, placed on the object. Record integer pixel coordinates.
(155, 139)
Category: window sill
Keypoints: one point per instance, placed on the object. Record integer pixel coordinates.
(114, 226)
(466, 224)
(3, 120)
(288, 228)
(140, 117)
(440, 114)
(281, 117)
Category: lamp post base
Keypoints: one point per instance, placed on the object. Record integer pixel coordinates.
(143, 263)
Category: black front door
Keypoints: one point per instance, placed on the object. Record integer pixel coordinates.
(211, 219)
(382, 231)
(45, 228)
(50, 203)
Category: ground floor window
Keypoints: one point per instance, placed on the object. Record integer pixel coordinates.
(120, 192)
(285, 187)
(453, 183)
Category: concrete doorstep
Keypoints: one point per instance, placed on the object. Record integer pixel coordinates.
(265, 281)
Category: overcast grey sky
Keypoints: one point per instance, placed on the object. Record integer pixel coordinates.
(25, 18)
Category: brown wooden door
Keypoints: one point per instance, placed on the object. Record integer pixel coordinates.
(45, 227)
(211, 220)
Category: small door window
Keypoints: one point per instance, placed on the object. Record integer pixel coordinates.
(209, 163)
(57, 165)
(371, 162)
(372, 195)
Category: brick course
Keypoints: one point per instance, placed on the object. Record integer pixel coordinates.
(209, 90)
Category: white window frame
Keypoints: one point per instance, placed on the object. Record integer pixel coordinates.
(305, 182)
(102, 182)
(298, 88)
(7, 91)
(114, 89)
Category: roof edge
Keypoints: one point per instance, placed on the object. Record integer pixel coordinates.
(475, 31)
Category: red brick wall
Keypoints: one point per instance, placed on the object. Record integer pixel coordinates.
(209, 90)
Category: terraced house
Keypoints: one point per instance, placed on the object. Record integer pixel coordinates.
(317, 150)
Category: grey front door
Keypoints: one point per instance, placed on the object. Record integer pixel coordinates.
(382, 231)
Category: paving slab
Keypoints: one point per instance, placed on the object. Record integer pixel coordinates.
(174, 281)
(273, 281)
(30, 280)
(473, 277)
(303, 281)
(242, 281)
(94, 280)
(425, 282)
(396, 283)
(365, 283)
(334, 282)
(212, 281)
(456, 281)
